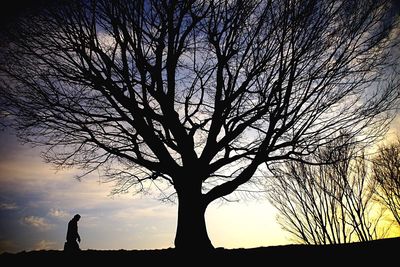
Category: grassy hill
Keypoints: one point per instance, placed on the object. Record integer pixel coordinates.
(372, 253)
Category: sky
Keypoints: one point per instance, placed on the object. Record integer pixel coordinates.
(36, 203)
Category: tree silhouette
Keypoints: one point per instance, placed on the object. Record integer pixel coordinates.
(330, 203)
(195, 96)
(386, 172)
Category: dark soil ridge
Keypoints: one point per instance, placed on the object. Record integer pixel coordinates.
(371, 252)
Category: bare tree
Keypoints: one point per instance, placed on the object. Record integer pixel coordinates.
(195, 96)
(386, 172)
(330, 203)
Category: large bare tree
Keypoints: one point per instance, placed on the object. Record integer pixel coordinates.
(196, 96)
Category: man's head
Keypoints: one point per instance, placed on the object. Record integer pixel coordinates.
(77, 217)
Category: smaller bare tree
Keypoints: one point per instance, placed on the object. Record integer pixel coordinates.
(331, 203)
(386, 173)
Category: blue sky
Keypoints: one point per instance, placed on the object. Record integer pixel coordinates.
(36, 203)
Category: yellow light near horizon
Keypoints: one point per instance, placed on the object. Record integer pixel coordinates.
(394, 231)
(246, 224)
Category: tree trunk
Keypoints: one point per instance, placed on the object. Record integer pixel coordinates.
(191, 233)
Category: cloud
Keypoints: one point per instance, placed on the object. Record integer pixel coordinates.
(8, 246)
(8, 206)
(36, 222)
(58, 213)
(45, 245)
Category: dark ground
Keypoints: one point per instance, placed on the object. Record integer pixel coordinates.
(372, 253)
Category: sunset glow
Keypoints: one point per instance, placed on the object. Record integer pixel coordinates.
(136, 106)
(37, 202)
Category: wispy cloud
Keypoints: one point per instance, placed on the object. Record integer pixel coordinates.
(8, 246)
(58, 213)
(45, 245)
(37, 222)
(8, 206)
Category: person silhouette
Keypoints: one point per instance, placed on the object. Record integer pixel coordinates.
(73, 235)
